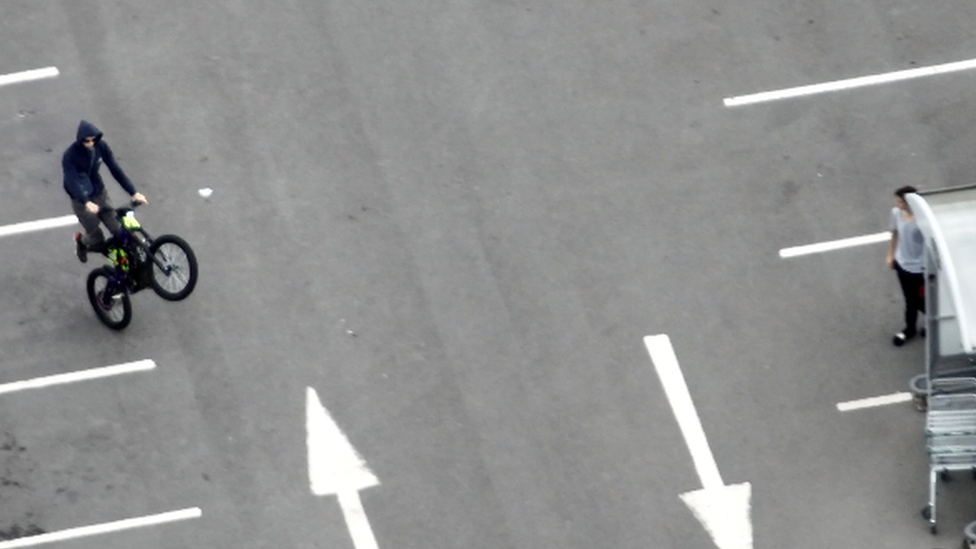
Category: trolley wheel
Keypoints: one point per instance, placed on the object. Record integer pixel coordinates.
(927, 515)
(921, 403)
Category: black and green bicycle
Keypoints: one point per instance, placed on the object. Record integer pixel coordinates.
(138, 261)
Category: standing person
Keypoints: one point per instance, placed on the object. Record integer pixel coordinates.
(82, 182)
(906, 256)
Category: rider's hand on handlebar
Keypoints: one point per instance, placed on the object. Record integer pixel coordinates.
(138, 197)
(91, 207)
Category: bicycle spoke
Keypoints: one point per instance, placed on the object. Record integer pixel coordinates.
(175, 277)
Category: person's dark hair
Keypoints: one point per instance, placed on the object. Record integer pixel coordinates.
(907, 189)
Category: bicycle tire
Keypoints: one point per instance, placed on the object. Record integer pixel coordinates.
(111, 315)
(179, 278)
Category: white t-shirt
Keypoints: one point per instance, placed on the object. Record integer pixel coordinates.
(911, 244)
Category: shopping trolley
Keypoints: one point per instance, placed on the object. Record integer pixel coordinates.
(950, 431)
(947, 219)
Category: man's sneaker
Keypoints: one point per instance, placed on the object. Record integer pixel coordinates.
(80, 249)
(900, 338)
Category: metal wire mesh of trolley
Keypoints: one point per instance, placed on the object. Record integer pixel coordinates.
(947, 219)
(950, 431)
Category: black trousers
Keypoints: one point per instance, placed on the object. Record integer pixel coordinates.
(913, 288)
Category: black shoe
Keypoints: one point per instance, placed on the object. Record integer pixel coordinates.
(80, 249)
(921, 332)
(901, 337)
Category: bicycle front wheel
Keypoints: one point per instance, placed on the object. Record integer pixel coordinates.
(174, 267)
(111, 302)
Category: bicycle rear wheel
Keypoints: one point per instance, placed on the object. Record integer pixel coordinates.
(174, 267)
(111, 303)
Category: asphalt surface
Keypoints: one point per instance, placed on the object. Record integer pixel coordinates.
(457, 221)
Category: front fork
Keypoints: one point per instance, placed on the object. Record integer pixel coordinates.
(145, 241)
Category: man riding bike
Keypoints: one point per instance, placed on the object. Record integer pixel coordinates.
(82, 182)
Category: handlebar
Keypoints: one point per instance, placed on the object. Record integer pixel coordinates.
(132, 205)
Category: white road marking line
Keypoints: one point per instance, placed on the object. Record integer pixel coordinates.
(723, 510)
(675, 388)
(874, 402)
(835, 245)
(27, 76)
(83, 531)
(335, 467)
(356, 520)
(71, 377)
(41, 224)
(861, 81)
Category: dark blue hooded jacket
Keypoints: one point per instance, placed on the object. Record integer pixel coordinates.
(80, 164)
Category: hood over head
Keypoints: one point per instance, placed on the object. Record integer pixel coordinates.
(87, 129)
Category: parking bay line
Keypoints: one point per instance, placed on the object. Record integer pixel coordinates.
(831, 245)
(40, 224)
(849, 83)
(27, 76)
(71, 377)
(838, 245)
(104, 528)
(873, 402)
(107, 527)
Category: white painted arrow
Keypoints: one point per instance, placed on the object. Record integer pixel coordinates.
(722, 510)
(334, 467)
